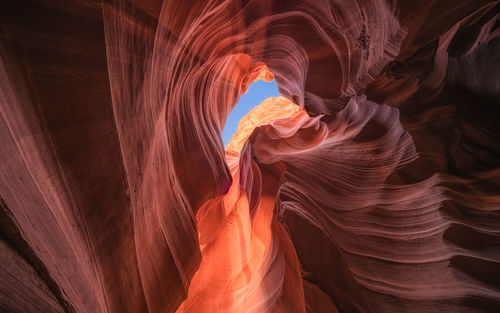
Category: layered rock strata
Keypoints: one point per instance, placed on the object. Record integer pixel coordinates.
(381, 194)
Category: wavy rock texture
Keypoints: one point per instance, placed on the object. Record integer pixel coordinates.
(380, 195)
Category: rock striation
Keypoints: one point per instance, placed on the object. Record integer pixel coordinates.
(378, 191)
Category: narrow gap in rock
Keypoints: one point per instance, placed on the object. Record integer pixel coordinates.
(257, 92)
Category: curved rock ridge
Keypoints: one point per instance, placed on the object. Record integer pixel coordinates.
(371, 185)
(271, 109)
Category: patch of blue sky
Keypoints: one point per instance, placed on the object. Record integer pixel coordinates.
(258, 92)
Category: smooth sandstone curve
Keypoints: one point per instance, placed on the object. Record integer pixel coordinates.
(381, 194)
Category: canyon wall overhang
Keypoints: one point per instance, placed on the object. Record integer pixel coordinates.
(382, 194)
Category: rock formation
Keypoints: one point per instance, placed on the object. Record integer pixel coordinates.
(269, 110)
(380, 194)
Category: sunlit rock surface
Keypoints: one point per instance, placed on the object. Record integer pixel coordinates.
(273, 108)
(382, 194)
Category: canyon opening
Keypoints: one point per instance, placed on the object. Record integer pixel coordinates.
(258, 92)
(259, 106)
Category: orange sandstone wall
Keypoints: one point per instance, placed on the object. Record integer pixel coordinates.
(381, 194)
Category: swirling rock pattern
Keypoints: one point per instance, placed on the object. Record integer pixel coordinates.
(380, 193)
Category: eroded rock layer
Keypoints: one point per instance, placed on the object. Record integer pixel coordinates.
(380, 194)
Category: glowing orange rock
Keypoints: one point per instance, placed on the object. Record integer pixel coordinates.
(273, 108)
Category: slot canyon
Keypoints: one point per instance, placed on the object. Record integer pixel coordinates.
(372, 184)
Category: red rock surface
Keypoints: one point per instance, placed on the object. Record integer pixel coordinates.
(382, 195)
